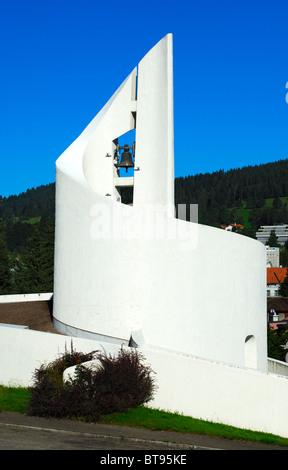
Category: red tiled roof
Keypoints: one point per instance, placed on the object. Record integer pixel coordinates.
(233, 225)
(279, 304)
(276, 275)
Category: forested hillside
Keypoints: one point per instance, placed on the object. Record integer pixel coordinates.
(27, 241)
(34, 202)
(251, 196)
(240, 195)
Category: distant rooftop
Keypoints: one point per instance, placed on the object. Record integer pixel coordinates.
(276, 275)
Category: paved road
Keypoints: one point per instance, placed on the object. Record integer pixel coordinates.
(21, 432)
(15, 438)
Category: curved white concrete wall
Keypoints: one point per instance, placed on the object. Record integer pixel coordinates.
(126, 272)
(187, 294)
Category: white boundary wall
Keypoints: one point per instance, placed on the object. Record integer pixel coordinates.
(217, 392)
(42, 297)
(221, 393)
(277, 367)
(23, 351)
(200, 388)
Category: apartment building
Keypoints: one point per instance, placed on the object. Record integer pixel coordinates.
(281, 231)
(272, 257)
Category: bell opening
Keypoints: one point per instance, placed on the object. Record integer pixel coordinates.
(126, 194)
(126, 154)
(126, 159)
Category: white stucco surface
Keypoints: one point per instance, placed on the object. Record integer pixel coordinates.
(23, 351)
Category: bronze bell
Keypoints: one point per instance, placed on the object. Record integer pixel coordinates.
(126, 159)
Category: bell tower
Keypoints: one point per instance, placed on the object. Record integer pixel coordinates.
(90, 183)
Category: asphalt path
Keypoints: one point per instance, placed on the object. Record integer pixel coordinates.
(21, 432)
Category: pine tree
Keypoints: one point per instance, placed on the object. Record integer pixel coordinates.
(272, 241)
(283, 290)
(38, 263)
(5, 267)
(19, 275)
(276, 341)
(47, 257)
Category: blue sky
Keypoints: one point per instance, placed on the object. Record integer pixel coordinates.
(62, 60)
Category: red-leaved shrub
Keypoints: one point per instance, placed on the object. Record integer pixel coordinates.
(113, 384)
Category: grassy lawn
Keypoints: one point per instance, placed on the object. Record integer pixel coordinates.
(16, 399)
(269, 201)
(245, 214)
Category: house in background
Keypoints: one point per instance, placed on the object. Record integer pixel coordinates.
(233, 227)
(277, 311)
(275, 277)
(277, 315)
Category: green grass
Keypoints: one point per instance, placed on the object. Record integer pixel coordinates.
(269, 201)
(245, 214)
(144, 417)
(16, 399)
(32, 220)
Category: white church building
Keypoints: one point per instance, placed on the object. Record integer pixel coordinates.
(134, 274)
